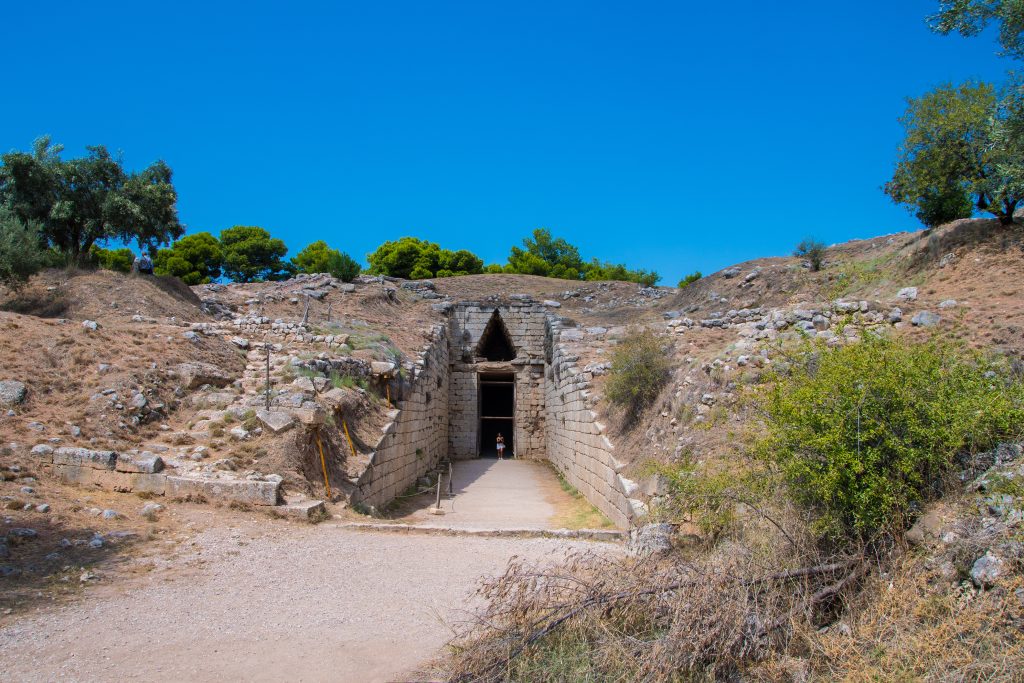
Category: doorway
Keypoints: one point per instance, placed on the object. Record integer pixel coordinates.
(497, 412)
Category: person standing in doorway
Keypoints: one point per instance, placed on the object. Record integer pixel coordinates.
(501, 447)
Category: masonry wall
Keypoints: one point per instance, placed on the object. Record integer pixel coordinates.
(417, 438)
(576, 442)
(524, 321)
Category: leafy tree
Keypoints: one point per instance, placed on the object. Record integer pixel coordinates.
(811, 250)
(80, 202)
(319, 258)
(865, 433)
(690, 279)
(250, 254)
(962, 139)
(415, 259)
(494, 269)
(970, 17)
(118, 260)
(547, 256)
(942, 205)
(21, 255)
(196, 259)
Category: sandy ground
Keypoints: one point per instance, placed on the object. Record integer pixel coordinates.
(285, 603)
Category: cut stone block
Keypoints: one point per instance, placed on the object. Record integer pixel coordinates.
(146, 463)
(307, 510)
(275, 420)
(83, 457)
(227, 490)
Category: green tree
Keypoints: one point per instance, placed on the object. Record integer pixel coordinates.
(942, 205)
(690, 279)
(961, 139)
(317, 257)
(80, 202)
(117, 260)
(21, 255)
(547, 256)
(813, 251)
(415, 259)
(196, 259)
(970, 17)
(250, 254)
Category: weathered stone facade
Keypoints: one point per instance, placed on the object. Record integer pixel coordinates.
(416, 439)
(524, 322)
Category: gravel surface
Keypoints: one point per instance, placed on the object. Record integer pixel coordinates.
(261, 603)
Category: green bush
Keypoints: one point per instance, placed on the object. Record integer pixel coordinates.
(866, 433)
(639, 370)
(690, 279)
(21, 254)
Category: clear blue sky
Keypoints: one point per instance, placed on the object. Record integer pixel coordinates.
(670, 135)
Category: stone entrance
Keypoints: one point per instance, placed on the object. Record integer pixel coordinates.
(497, 391)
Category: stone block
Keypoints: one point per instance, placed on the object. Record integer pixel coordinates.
(275, 420)
(307, 510)
(225, 490)
(83, 457)
(146, 463)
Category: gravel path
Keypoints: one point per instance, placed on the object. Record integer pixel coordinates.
(281, 603)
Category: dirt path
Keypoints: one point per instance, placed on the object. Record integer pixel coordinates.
(270, 604)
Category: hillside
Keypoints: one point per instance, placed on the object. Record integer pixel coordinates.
(151, 370)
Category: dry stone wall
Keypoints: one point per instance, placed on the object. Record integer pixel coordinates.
(416, 439)
(576, 442)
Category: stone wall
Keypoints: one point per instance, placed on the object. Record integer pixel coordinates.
(524, 321)
(416, 439)
(576, 442)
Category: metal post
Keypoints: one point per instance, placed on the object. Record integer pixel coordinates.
(329, 305)
(451, 478)
(305, 313)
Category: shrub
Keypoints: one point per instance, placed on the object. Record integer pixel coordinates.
(811, 250)
(639, 370)
(21, 255)
(865, 433)
(690, 279)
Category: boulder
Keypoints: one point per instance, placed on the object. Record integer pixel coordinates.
(895, 315)
(11, 392)
(907, 294)
(987, 570)
(925, 319)
(651, 539)
(196, 374)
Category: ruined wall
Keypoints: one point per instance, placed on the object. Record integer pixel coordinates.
(576, 442)
(417, 438)
(524, 321)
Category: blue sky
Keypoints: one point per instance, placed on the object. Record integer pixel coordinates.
(672, 136)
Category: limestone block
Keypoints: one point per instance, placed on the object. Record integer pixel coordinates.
(226, 490)
(146, 463)
(83, 457)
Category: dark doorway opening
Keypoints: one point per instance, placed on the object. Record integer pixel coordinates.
(497, 413)
(496, 343)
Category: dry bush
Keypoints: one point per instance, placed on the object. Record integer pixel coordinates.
(602, 618)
